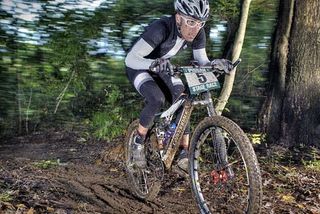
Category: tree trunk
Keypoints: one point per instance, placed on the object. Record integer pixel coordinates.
(271, 114)
(237, 47)
(292, 112)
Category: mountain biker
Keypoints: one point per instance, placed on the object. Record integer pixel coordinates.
(161, 40)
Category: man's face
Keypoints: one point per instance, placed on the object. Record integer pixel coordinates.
(189, 26)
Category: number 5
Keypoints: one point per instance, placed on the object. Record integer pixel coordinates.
(201, 77)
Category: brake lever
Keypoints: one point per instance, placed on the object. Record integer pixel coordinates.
(236, 63)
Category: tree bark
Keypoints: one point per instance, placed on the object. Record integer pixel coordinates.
(237, 47)
(301, 117)
(292, 112)
(271, 114)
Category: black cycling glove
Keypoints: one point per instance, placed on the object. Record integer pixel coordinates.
(222, 65)
(161, 65)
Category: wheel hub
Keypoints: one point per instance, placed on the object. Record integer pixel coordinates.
(219, 176)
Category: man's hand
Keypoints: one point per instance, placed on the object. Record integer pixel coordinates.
(222, 65)
(161, 65)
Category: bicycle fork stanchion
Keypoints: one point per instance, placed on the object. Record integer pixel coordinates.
(219, 146)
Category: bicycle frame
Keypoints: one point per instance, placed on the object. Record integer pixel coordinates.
(221, 156)
(188, 104)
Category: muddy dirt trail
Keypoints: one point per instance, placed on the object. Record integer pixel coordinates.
(61, 172)
(64, 173)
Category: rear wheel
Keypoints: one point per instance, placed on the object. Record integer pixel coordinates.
(145, 183)
(224, 169)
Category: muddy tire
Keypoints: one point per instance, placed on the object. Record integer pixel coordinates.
(143, 183)
(230, 186)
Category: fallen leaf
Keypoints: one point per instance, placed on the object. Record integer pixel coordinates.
(179, 189)
(50, 209)
(31, 211)
(98, 162)
(288, 198)
(21, 206)
(114, 170)
(301, 206)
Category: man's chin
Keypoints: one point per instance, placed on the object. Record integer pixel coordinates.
(189, 39)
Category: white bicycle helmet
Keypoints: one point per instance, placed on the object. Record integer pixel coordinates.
(198, 9)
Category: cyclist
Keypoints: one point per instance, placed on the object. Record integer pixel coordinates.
(161, 40)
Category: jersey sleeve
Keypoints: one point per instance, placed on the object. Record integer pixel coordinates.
(200, 41)
(135, 59)
(155, 33)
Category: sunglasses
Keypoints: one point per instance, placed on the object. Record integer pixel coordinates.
(193, 23)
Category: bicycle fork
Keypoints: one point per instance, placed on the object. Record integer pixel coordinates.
(223, 170)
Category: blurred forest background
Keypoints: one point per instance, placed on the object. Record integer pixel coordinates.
(64, 96)
(62, 62)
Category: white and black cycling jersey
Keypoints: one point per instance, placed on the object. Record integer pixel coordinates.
(161, 39)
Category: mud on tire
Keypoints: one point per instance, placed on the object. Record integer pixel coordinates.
(143, 183)
(229, 184)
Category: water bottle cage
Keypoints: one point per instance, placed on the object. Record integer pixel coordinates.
(169, 133)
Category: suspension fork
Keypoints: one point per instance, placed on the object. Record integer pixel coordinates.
(207, 101)
(220, 150)
(210, 108)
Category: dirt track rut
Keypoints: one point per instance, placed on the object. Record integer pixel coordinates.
(87, 178)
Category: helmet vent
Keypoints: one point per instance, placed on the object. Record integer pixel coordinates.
(186, 8)
(197, 11)
(201, 6)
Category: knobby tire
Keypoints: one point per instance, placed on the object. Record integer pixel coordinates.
(237, 189)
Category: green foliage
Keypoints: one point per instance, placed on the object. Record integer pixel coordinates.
(240, 109)
(38, 75)
(312, 164)
(257, 138)
(313, 161)
(108, 124)
(112, 120)
(226, 9)
(6, 196)
(46, 164)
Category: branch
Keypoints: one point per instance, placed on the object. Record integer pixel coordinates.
(61, 95)
(238, 43)
(27, 117)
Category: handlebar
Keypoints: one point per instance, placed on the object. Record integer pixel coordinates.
(178, 69)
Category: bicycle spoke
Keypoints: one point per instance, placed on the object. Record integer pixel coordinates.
(144, 182)
(219, 173)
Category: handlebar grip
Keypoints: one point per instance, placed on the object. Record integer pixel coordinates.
(171, 71)
(236, 63)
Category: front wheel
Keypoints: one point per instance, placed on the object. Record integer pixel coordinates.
(224, 170)
(145, 182)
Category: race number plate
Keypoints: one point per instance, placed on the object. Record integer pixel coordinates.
(200, 82)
